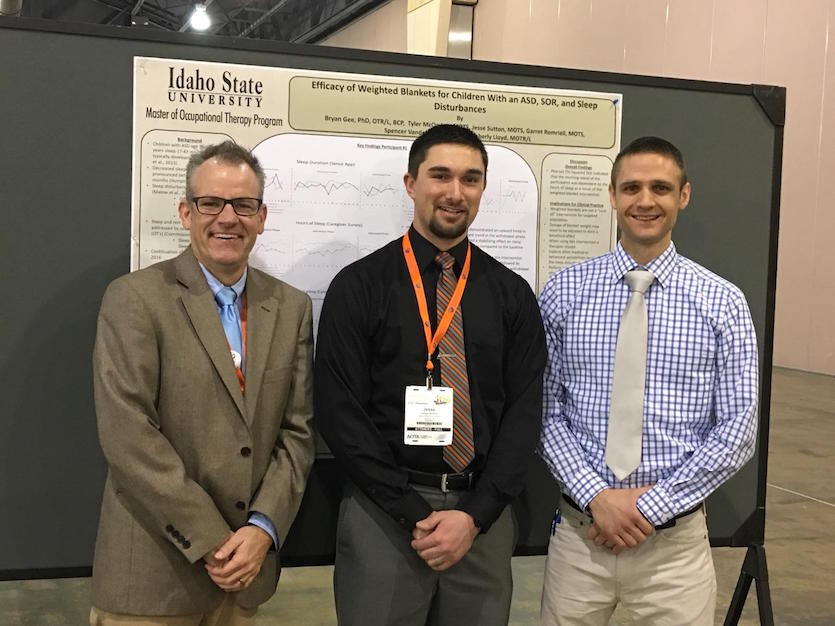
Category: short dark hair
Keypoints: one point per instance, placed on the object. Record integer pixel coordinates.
(443, 133)
(227, 152)
(650, 145)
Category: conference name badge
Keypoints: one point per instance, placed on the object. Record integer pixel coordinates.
(428, 416)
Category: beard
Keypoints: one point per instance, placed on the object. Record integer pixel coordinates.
(447, 231)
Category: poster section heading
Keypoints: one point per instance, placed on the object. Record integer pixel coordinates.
(406, 110)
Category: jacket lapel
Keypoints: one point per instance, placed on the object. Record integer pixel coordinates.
(202, 311)
(262, 315)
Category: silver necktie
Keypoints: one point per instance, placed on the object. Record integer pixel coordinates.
(626, 413)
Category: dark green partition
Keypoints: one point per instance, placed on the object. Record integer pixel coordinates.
(65, 181)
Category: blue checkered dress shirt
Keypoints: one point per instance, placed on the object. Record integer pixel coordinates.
(700, 405)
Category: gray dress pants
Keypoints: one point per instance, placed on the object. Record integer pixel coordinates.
(379, 580)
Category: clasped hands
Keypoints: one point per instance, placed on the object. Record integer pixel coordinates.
(444, 537)
(618, 524)
(236, 562)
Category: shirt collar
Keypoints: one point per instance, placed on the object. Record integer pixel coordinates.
(215, 285)
(425, 251)
(661, 266)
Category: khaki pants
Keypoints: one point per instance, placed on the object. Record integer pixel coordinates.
(227, 614)
(668, 580)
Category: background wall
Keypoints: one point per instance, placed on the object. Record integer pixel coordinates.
(383, 30)
(780, 42)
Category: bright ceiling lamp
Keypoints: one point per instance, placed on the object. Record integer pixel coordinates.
(200, 19)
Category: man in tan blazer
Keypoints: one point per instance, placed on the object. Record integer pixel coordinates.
(208, 451)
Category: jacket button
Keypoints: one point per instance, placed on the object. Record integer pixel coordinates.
(177, 535)
(402, 520)
(186, 544)
(241, 505)
(245, 451)
(169, 529)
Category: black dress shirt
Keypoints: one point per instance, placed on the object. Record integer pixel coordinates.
(371, 346)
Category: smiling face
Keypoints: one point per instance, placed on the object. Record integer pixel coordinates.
(222, 242)
(647, 196)
(447, 191)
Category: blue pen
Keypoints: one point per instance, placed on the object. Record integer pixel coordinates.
(555, 521)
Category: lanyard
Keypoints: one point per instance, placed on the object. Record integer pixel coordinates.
(443, 324)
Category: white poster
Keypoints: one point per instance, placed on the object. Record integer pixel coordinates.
(334, 148)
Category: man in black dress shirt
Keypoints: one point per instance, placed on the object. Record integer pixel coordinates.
(422, 539)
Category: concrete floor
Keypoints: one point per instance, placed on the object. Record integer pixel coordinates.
(800, 538)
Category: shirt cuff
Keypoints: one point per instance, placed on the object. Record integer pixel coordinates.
(264, 523)
(656, 505)
(409, 510)
(585, 487)
(479, 505)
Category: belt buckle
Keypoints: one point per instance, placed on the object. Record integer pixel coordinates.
(444, 488)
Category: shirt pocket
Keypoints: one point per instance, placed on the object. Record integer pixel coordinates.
(681, 366)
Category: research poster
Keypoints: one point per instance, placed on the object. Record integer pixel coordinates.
(334, 147)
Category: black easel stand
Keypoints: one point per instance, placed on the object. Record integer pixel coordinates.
(753, 568)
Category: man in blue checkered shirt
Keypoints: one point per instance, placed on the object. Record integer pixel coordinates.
(641, 541)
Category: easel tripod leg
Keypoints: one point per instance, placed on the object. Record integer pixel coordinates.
(753, 568)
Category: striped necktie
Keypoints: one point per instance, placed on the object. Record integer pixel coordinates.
(459, 454)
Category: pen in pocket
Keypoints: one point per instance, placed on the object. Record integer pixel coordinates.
(555, 521)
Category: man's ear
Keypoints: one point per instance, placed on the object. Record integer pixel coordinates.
(684, 196)
(409, 183)
(184, 210)
(262, 217)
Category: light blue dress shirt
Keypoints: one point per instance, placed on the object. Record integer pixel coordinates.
(255, 518)
(700, 402)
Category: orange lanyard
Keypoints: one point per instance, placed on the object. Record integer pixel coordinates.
(239, 370)
(432, 341)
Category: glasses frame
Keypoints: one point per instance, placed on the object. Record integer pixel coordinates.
(230, 202)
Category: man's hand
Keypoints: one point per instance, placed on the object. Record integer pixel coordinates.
(443, 538)
(618, 524)
(235, 564)
(209, 557)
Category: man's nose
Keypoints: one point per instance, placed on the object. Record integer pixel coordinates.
(454, 190)
(227, 213)
(646, 197)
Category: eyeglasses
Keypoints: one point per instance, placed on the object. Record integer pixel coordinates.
(212, 205)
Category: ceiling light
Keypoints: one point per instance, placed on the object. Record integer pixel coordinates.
(200, 19)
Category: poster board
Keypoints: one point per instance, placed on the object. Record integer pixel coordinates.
(65, 185)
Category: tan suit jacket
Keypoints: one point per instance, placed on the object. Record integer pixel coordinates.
(189, 455)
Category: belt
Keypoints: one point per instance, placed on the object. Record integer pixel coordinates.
(668, 524)
(444, 482)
